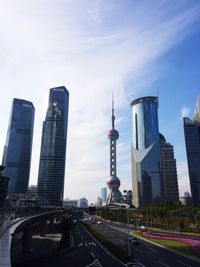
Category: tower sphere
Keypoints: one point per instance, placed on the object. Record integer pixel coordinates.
(113, 134)
(113, 182)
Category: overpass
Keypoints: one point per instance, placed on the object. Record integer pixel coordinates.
(23, 226)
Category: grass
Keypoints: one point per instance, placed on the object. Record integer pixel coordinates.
(182, 247)
(119, 253)
(172, 244)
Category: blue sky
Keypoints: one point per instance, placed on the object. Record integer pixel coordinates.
(133, 48)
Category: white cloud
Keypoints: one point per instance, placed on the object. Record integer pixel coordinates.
(93, 48)
(185, 111)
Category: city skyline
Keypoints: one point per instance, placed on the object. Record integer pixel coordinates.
(94, 48)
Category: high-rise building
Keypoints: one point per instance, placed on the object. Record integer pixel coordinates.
(99, 202)
(82, 203)
(104, 194)
(192, 143)
(128, 197)
(147, 185)
(113, 181)
(169, 171)
(3, 186)
(53, 147)
(18, 146)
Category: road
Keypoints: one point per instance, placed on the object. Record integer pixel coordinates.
(145, 253)
(90, 252)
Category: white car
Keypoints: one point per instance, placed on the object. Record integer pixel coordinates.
(99, 222)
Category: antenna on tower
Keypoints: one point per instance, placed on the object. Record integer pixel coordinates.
(113, 116)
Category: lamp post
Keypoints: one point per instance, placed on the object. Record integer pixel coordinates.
(128, 219)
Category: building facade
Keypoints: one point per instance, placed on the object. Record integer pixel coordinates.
(169, 172)
(53, 147)
(70, 203)
(18, 146)
(192, 143)
(3, 186)
(104, 194)
(128, 197)
(83, 203)
(146, 164)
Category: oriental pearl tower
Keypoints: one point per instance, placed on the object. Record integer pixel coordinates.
(113, 181)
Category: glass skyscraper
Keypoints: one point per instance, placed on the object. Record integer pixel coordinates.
(53, 147)
(192, 143)
(18, 146)
(104, 194)
(145, 152)
(169, 172)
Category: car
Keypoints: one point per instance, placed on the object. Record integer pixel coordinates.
(99, 222)
(134, 241)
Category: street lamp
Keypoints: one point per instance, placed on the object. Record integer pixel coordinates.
(128, 219)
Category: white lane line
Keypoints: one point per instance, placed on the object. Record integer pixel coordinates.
(152, 249)
(183, 263)
(86, 244)
(94, 263)
(107, 251)
(164, 264)
(92, 254)
(139, 250)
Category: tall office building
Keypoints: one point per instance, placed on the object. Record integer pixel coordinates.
(3, 186)
(104, 194)
(169, 171)
(145, 152)
(192, 143)
(18, 146)
(53, 147)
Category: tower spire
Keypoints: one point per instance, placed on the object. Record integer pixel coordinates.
(113, 182)
(113, 116)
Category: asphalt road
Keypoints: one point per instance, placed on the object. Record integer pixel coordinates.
(89, 252)
(145, 253)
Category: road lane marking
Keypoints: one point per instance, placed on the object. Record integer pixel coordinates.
(108, 252)
(139, 250)
(164, 264)
(92, 254)
(92, 243)
(86, 244)
(154, 250)
(94, 264)
(183, 263)
(135, 264)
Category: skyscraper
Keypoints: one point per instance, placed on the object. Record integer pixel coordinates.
(104, 194)
(169, 171)
(113, 181)
(145, 152)
(18, 146)
(192, 143)
(53, 147)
